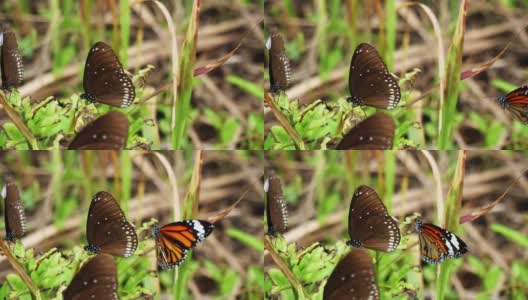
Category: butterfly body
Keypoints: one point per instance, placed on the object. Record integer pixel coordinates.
(104, 79)
(517, 103)
(370, 82)
(276, 213)
(352, 278)
(108, 132)
(96, 279)
(279, 65)
(174, 240)
(374, 133)
(11, 61)
(437, 244)
(107, 229)
(15, 217)
(369, 224)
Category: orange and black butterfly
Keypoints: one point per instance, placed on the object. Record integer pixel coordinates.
(174, 240)
(517, 103)
(15, 218)
(437, 244)
(97, 279)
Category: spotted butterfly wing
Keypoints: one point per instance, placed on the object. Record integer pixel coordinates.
(369, 224)
(437, 244)
(276, 213)
(374, 133)
(107, 229)
(517, 103)
(12, 65)
(352, 278)
(15, 217)
(174, 240)
(370, 82)
(108, 132)
(97, 279)
(279, 64)
(104, 80)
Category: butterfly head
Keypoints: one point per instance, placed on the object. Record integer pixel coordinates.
(419, 225)
(10, 237)
(354, 243)
(356, 101)
(92, 249)
(88, 97)
(502, 101)
(155, 231)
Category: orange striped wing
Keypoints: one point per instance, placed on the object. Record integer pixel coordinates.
(174, 240)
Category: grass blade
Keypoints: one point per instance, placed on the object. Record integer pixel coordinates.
(181, 107)
(453, 81)
(454, 200)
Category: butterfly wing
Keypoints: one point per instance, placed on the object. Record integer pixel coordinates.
(107, 229)
(12, 65)
(352, 278)
(108, 132)
(174, 240)
(279, 64)
(370, 82)
(97, 279)
(277, 212)
(517, 103)
(374, 133)
(437, 244)
(369, 224)
(15, 217)
(104, 80)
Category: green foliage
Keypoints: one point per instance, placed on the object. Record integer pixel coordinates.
(247, 239)
(322, 124)
(53, 271)
(227, 279)
(313, 265)
(55, 120)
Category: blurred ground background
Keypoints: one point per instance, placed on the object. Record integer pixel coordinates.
(55, 37)
(57, 187)
(318, 187)
(322, 35)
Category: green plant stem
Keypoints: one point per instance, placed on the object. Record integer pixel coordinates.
(390, 30)
(454, 202)
(296, 138)
(185, 77)
(296, 285)
(20, 270)
(12, 114)
(453, 82)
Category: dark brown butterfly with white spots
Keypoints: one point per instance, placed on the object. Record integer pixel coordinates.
(277, 212)
(12, 65)
(105, 81)
(279, 64)
(352, 278)
(369, 224)
(374, 133)
(108, 132)
(97, 279)
(437, 244)
(107, 229)
(370, 82)
(15, 218)
(174, 240)
(516, 102)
